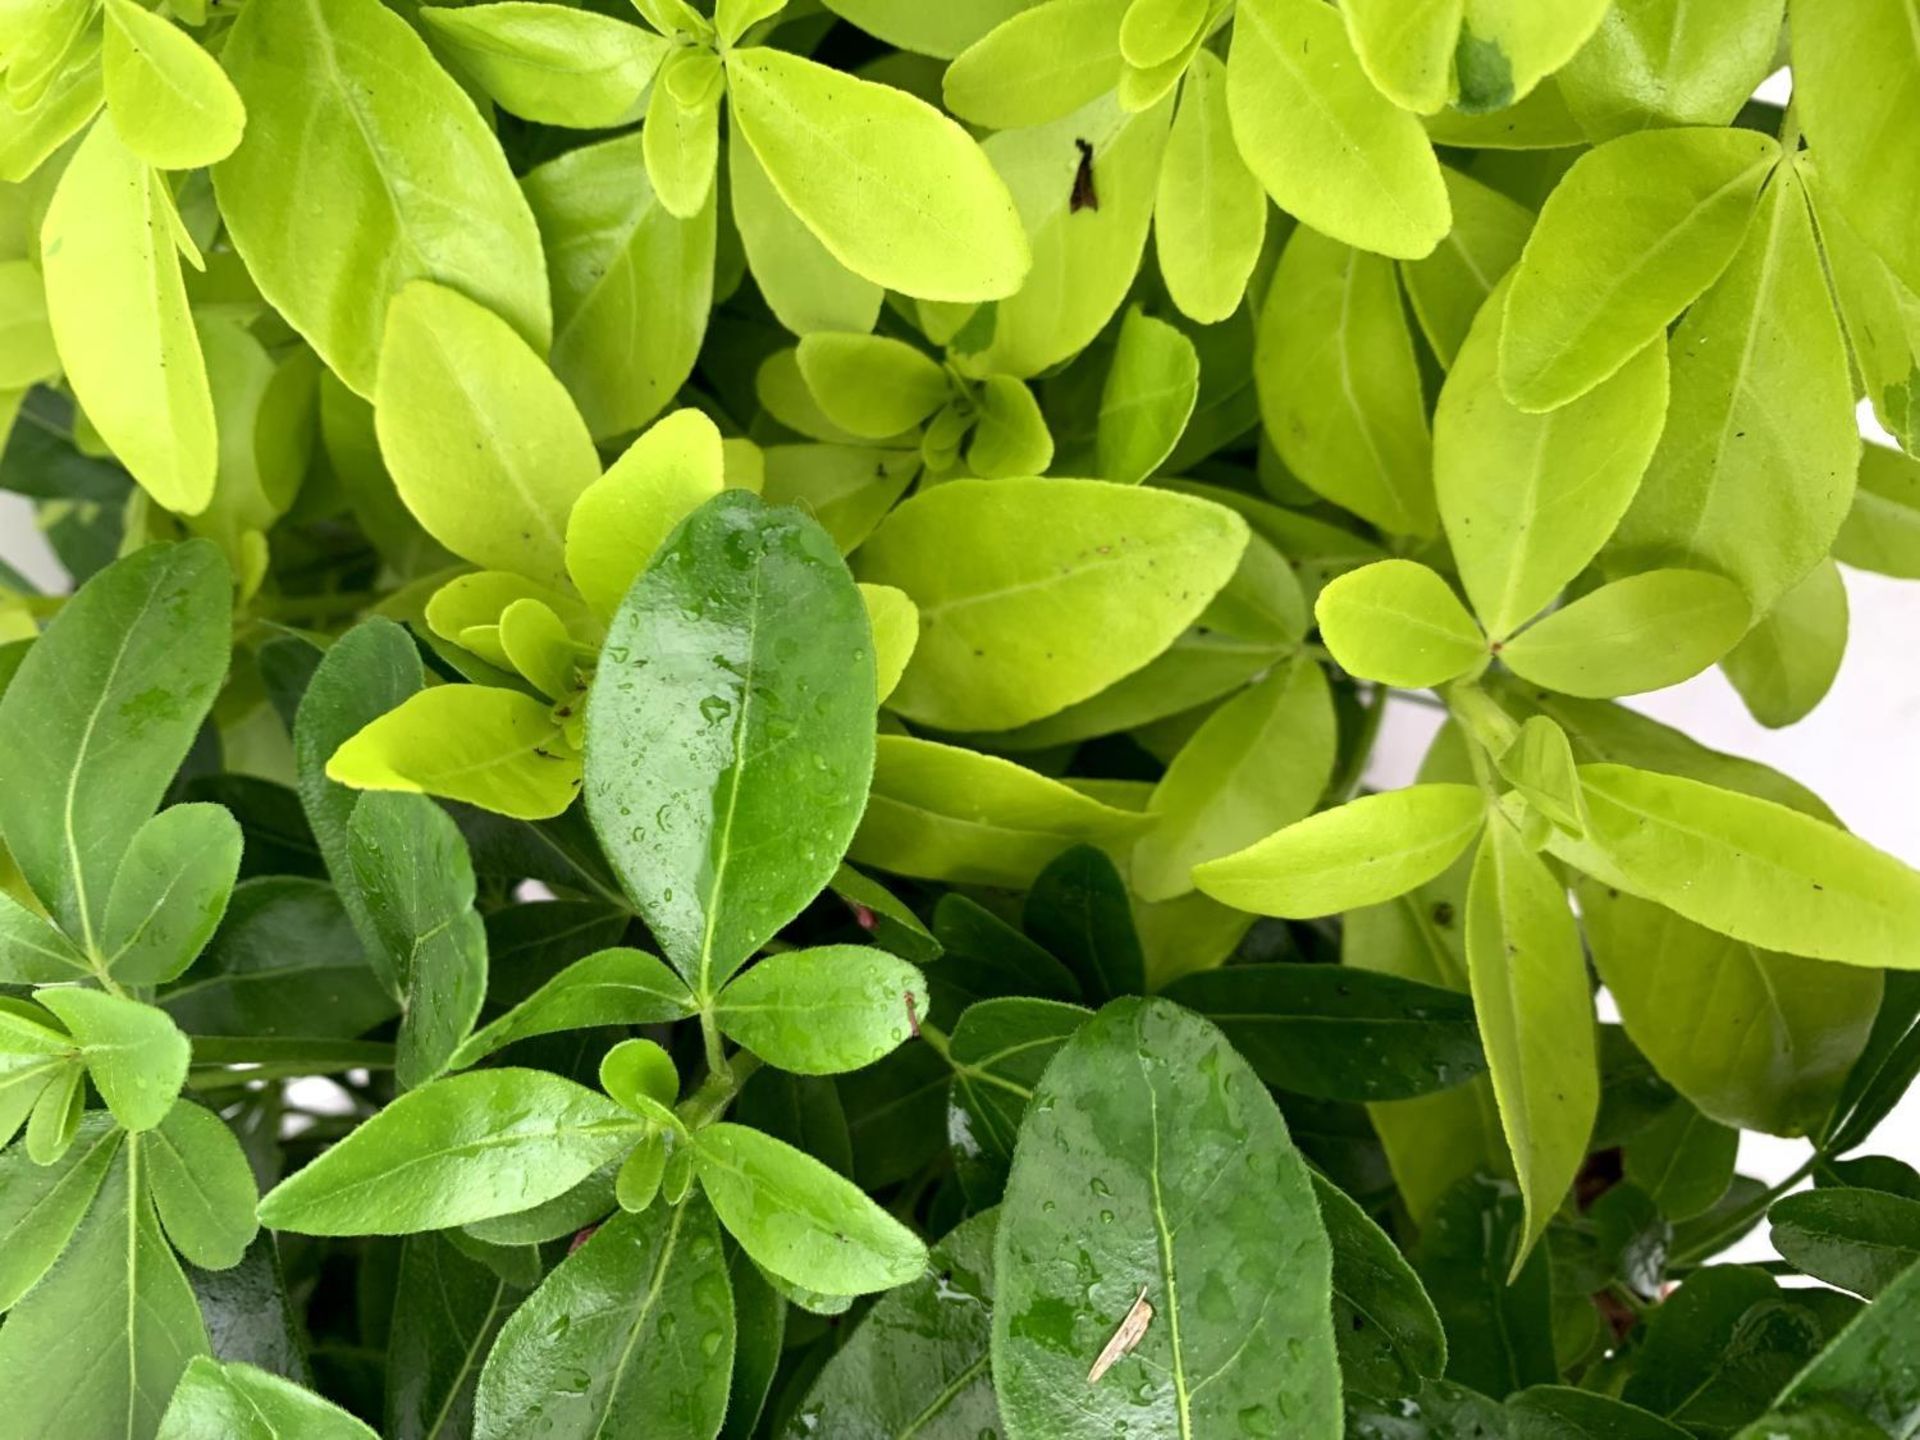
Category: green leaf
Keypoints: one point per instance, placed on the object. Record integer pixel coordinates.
(1398, 622)
(1882, 531)
(1683, 1160)
(1541, 766)
(681, 141)
(413, 185)
(170, 101)
(1530, 993)
(485, 445)
(134, 1054)
(1871, 1365)
(465, 1148)
(1336, 1032)
(943, 32)
(214, 1401)
(1330, 148)
(42, 1205)
(1258, 763)
(1148, 399)
(550, 63)
(1036, 594)
(499, 749)
(1853, 65)
(734, 702)
(1528, 500)
(1078, 909)
(1010, 437)
(947, 230)
(98, 1345)
(918, 1363)
(1787, 663)
(1751, 477)
(805, 287)
(1719, 1348)
(1361, 853)
(1747, 868)
(32, 952)
(447, 1311)
(798, 1219)
(869, 385)
(1494, 1305)
(1860, 1240)
(1040, 63)
(1407, 49)
(1388, 1332)
(822, 1011)
(1210, 214)
(610, 987)
(1560, 1412)
(1449, 287)
(1339, 385)
(201, 1185)
(1660, 62)
(847, 488)
(1599, 281)
(1879, 311)
(118, 308)
(412, 869)
(55, 1122)
(1152, 1161)
(1508, 46)
(172, 887)
(632, 1333)
(999, 1049)
(632, 283)
(1645, 632)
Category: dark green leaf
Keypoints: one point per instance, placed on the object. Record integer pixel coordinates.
(1389, 1334)
(1860, 1240)
(1499, 1337)
(1078, 909)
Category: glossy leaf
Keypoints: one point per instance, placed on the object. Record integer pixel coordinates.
(214, 1401)
(609, 987)
(823, 1011)
(1860, 1240)
(1870, 1365)
(1389, 1334)
(42, 1205)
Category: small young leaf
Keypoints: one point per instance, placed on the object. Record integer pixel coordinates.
(869, 385)
(1210, 214)
(172, 887)
(1149, 397)
(1398, 622)
(201, 1186)
(215, 1402)
(170, 101)
(823, 1011)
(135, 1056)
(610, 987)
(550, 63)
(1010, 437)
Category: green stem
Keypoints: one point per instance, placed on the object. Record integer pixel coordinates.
(1790, 128)
(718, 1090)
(936, 1039)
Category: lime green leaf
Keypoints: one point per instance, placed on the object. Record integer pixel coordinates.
(942, 31)
(1147, 1115)
(1339, 386)
(1539, 762)
(1642, 633)
(939, 812)
(1037, 65)
(1882, 531)
(1528, 500)
(42, 1205)
(1855, 64)
(1751, 477)
(1788, 661)
(550, 63)
(733, 707)
(411, 184)
(1508, 46)
(1599, 280)
(1361, 853)
(1260, 762)
(38, 131)
(1035, 594)
(499, 749)
(641, 1076)
(215, 1402)
(643, 1310)
(27, 353)
(1540, 121)
(134, 1054)
(896, 630)
(1148, 399)
(1330, 148)
(1881, 312)
(805, 287)
(99, 1344)
(1752, 1037)
(631, 283)
(201, 1185)
(1397, 622)
(824, 1011)
(1663, 62)
(1085, 257)
(798, 1219)
(1010, 435)
(170, 101)
(99, 716)
(620, 521)
(1210, 215)
(1448, 288)
(681, 141)
(1406, 47)
(169, 893)
(1745, 867)
(465, 1148)
(485, 446)
(118, 309)
(610, 987)
(830, 143)
(847, 488)
(869, 385)
(1529, 978)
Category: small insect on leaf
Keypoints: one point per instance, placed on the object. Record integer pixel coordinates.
(1125, 1337)
(1084, 196)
